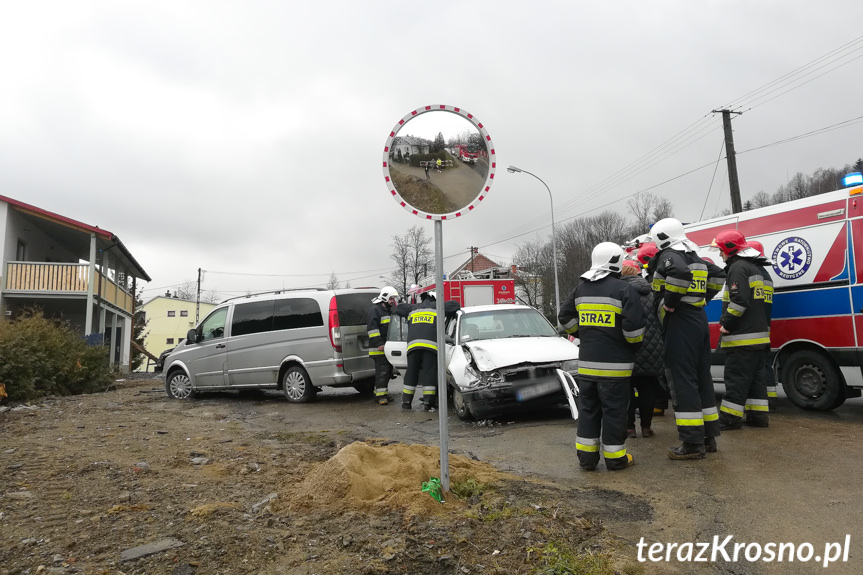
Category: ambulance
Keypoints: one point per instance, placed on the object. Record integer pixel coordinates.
(816, 335)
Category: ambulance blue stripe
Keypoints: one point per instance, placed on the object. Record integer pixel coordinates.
(808, 303)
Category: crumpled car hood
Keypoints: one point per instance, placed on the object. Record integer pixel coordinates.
(492, 354)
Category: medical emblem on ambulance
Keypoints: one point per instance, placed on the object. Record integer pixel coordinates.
(792, 258)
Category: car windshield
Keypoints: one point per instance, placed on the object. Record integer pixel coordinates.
(504, 323)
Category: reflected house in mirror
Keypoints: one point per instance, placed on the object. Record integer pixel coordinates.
(439, 164)
(406, 146)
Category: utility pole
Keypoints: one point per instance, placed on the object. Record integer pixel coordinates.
(734, 184)
(198, 300)
(473, 250)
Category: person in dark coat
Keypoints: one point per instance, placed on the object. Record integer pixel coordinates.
(648, 359)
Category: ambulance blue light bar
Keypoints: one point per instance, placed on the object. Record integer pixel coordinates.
(852, 179)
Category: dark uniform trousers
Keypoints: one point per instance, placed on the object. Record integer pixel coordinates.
(383, 375)
(602, 407)
(745, 385)
(687, 369)
(421, 371)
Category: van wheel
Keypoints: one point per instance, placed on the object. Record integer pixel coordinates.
(459, 405)
(179, 386)
(297, 386)
(811, 381)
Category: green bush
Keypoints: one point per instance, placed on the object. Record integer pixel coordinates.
(40, 356)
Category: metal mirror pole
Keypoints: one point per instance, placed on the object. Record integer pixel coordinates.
(441, 355)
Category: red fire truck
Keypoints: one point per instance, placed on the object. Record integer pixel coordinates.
(473, 291)
(464, 154)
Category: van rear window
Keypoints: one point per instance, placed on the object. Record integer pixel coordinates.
(354, 308)
(297, 313)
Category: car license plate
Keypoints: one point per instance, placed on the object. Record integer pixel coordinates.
(537, 390)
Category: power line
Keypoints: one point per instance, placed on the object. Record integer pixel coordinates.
(837, 126)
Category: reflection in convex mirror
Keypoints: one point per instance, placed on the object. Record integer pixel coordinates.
(439, 162)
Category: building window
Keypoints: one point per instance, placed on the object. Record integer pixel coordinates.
(170, 341)
(172, 313)
(184, 313)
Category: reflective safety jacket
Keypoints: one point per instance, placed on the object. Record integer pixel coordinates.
(746, 304)
(422, 322)
(683, 278)
(378, 327)
(607, 317)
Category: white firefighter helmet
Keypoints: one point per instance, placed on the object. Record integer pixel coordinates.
(669, 233)
(387, 293)
(606, 258)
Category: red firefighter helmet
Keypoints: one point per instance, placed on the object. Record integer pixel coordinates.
(646, 252)
(730, 242)
(757, 245)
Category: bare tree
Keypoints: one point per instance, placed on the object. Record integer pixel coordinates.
(188, 290)
(535, 274)
(641, 207)
(578, 238)
(413, 256)
(761, 200)
(334, 282)
(663, 209)
(797, 187)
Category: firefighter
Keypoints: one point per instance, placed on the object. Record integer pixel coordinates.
(422, 348)
(745, 332)
(378, 328)
(682, 284)
(605, 313)
(769, 374)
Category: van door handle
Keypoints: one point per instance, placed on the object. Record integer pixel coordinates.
(220, 346)
(397, 353)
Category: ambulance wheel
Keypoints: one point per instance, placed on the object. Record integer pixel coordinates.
(811, 381)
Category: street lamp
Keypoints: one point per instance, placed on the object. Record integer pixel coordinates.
(513, 170)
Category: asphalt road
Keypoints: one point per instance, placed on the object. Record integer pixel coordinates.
(794, 482)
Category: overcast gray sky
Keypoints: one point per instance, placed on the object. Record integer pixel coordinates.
(245, 138)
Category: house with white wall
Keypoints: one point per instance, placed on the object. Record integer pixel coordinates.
(169, 319)
(69, 269)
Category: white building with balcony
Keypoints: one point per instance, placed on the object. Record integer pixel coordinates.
(68, 269)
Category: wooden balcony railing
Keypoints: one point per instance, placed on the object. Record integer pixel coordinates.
(56, 278)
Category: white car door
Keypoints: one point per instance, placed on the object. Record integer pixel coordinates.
(397, 342)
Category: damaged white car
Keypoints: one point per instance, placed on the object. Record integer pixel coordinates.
(499, 358)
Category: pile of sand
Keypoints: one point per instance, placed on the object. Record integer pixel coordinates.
(364, 476)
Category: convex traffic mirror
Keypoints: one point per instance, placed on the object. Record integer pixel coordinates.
(439, 162)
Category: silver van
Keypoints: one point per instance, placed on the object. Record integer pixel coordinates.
(294, 341)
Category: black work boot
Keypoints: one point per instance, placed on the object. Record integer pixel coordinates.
(686, 451)
(406, 405)
(710, 445)
(758, 419)
(729, 422)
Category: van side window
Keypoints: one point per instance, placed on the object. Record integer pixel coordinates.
(255, 317)
(297, 313)
(214, 326)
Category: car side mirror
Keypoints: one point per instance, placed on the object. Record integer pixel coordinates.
(191, 336)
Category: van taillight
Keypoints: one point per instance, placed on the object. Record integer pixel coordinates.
(335, 329)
